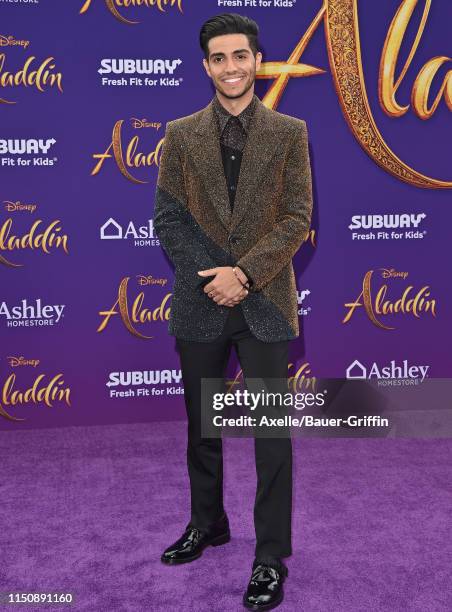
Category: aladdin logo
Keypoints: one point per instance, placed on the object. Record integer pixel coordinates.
(342, 35)
(412, 302)
(138, 314)
(28, 315)
(39, 74)
(142, 236)
(300, 380)
(114, 6)
(138, 66)
(357, 371)
(46, 239)
(41, 392)
(131, 159)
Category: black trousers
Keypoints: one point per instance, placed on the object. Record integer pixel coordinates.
(273, 456)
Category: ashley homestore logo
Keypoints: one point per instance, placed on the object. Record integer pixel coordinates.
(392, 371)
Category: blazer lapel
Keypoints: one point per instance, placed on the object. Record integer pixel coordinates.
(262, 143)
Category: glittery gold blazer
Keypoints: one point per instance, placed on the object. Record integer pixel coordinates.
(269, 222)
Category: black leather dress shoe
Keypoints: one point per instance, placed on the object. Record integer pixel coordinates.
(193, 541)
(265, 589)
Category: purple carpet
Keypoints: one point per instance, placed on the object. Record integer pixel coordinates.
(88, 510)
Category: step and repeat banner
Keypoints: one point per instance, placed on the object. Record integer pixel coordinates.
(86, 89)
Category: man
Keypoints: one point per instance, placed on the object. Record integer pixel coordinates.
(233, 205)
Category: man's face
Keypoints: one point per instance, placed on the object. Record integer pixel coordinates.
(232, 66)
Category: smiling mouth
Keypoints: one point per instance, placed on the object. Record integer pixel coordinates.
(234, 80)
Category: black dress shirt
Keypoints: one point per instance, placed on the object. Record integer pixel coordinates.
(233, 131)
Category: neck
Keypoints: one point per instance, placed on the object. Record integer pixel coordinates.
(236, 105)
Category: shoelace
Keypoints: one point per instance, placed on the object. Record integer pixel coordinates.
(260, 573)
(194, 534)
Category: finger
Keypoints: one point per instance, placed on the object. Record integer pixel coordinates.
(208, 271)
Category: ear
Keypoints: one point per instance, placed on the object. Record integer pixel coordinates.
(258, 60)
(206, 65)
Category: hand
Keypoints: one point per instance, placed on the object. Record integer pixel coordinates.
(225, 289)
(239, 298)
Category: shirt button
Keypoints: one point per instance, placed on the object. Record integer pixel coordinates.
(232, 188)
(232, 156)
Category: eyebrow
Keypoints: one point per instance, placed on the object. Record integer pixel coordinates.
(236, 51)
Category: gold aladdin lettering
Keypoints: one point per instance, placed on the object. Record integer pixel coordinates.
(47, 394)
(340, 19)
(409, 303)
(423, 83)
(299, 381)
(31, 240)
(42, 77)
(138, 314)
(114, 5)
(133, 159)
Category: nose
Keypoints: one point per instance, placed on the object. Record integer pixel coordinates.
(230, 66)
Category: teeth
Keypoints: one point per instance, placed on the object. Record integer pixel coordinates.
(233, 80)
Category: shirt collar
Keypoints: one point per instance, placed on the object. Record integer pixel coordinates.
(223, 114)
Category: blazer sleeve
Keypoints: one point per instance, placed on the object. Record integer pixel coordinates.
(173, 222)
(276, 248)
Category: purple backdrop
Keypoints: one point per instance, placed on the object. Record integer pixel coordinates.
(62, 354)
